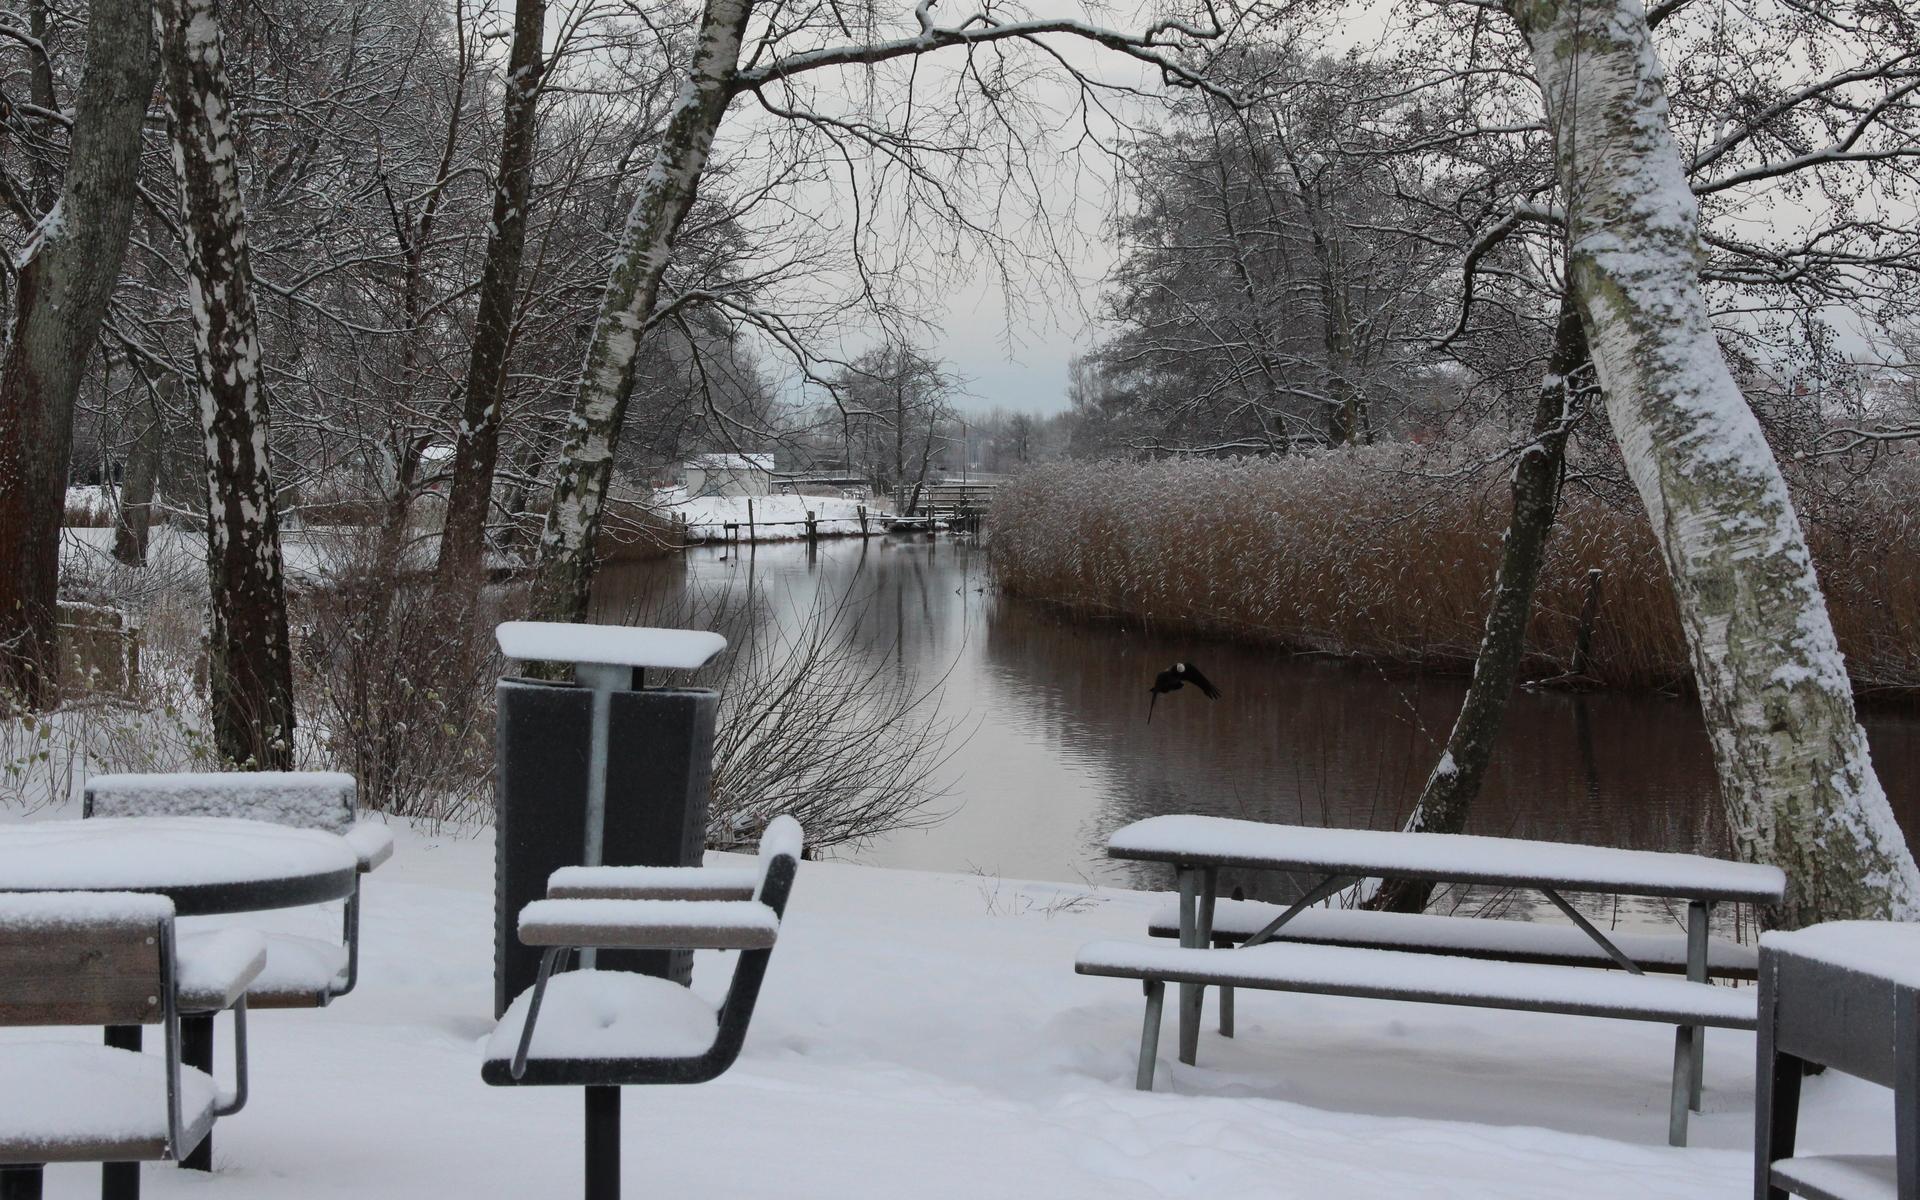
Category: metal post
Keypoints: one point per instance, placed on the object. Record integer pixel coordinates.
(603, 1143)
(121, 1180)
(196, 1050)
(1682, 1077)
(1150, 1035)
(602, 680)
(1698, 912)
(1190, 993)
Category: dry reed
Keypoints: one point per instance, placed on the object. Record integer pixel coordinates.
(1389, 552)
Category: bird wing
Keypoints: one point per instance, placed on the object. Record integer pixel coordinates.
(1193, 676)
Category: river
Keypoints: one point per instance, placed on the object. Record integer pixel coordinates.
(1059, 752)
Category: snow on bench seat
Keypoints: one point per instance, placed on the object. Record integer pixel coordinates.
(324, 800)
(214, 969)
(650, 924)
(372, 843)
(1460, 858)
(1839, 1177)
(299, 971)
(608, 1014)
(1430, 978)
(67, 1102)
(653, 883)
(1471, 937)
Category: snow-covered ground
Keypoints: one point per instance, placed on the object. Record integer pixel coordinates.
(924, 1035)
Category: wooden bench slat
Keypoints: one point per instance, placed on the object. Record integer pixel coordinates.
(1460, 858)
(1839, 1176)
(653, 883)
(1429, 978)
(650, 924)
(1467, 937)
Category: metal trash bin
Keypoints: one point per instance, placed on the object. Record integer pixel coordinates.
(598, 770)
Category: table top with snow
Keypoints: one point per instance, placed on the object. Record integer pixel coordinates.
(1888, 950)
(1455, 858)
(206, 864)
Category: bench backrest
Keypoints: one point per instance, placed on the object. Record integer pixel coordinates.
(84, 958)
(323, 800)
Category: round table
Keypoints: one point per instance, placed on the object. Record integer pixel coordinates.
(205, 865)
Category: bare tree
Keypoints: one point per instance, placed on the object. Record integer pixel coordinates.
(249, 666)
(65, 277)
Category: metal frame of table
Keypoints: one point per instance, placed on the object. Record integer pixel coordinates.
(1197, 877)
(198, 899)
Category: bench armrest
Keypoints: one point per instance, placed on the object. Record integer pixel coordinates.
(653, 883)
(372, 843)
(212, 969)
(650, 924)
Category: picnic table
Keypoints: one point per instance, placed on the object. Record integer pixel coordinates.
(1199, 847)
(205, 865)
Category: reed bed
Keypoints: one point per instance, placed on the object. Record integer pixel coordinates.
(1388, 552)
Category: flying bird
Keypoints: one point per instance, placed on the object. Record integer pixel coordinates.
(1175, 678)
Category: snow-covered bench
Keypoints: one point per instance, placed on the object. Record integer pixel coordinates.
(301, 972)
(107, 958)
(1845, 995)
(603, 1030)
(1462, 961)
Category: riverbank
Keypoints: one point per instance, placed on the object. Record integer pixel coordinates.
(1388, 552)
(911, 1021)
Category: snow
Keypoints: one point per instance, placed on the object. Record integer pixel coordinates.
(322, 800)
(733, 924)
(69, 910)
(63, 1094)
(775, 518)
(653, 883)
(924, 1035)
(609, 1014)
(1461, 858)
(214, 966)
(614, 645)
(371, 841)
(1883, 949)
(1427, 931)
(1861, 1176)
(154, 852)
(1440, 978)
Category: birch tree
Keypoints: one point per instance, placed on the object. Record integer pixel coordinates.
(249, 664)
(1795, 773)
(65, 277)
(716, 76)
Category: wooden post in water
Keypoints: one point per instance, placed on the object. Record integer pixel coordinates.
(863, 520)
(751, 536)
(1589, 610)
(813, 531)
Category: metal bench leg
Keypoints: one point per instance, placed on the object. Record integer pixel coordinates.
(1226, 1012)
(20, 1181)
(1683, 1055)
(1190, 993)
(1150, 1035)
(603, 1143)
(121, 1180)
(196, 1050)
(1697, 914)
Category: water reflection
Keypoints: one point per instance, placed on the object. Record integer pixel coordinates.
(1061, 752)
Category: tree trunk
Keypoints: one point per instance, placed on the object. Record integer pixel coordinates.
(1794, 770)
(477, 449)
(249, 669)
(1450, 791)
(136, 493)
(565, 571)
(66, 276)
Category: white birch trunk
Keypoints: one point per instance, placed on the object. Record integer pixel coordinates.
(1795, 775)
(646, 247)
(249, 665)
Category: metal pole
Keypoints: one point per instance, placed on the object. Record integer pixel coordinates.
(196, 1050)
(121, 1180)
(1190, 993)
(603, 1143)
(1697, 914)
(20, 1181)
(602, 679)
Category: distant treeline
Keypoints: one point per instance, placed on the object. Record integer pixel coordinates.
(1389, 552)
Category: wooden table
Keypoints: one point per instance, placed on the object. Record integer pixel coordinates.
(1198, 847)
(205, 865)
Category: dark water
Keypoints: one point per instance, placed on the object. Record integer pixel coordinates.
(1059, 752)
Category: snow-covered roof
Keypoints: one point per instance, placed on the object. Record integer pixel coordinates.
(732, 462)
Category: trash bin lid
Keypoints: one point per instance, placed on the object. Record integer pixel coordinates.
(613, 645)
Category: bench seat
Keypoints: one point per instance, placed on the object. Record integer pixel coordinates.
(68, 1102)
(1429, 978)
(1839, 1176)
(1467, 937)
(653, 883)
(650, 924)
(214, 969)
(608, 1015)
(299, 972)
